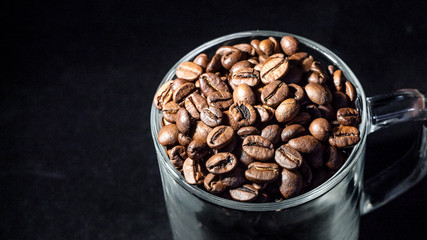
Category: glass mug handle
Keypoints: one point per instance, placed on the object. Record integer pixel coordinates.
(386, 110)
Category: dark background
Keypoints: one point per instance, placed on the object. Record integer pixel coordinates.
(77, 158)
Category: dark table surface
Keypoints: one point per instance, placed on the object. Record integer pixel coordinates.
(77, 159)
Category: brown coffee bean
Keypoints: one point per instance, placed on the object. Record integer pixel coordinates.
(272, 133)
(327, 112)
(177, 156)
(244, 93)
(333, 158)
(302, 118)
(315, 159)
(210, 82)
(197, 149)
(267, 47)
(211, 116)
(240, 65)
(163, 95)
(348, 116)
(319, 74)
(246, 131)
(178, 83)
(292, 131)
(192, 171)
(221, 163)
(301, 59)
(215, 64)
(289, 45)
(219, 183)
(248, 76)
(182, 92)
(221, 100)
(291, 183)
(262, 172)
(201, 131)
(246, 48)
(287, 110)
(305, 144)
(350, 91)
(184, 140)
(339, 100)
(297, 92)
(188, 71)
(274, 93)
(183, 121)
(169, 111)
(246, 193)
(168, 135)
(220, 136)
(258, 147)
(214, 184)
(227, 148)
(243, 114)
(318, 94)
(244, 158)
(313, 110)
(287, 157)
(258, 66)
(320, 129)
(264, 113)
(338, 80)
(202, 60)
(255, 44)
(344, 136)
(277, 47)
(230, 58)
(195, 104)
(274, 69)
(277, 55)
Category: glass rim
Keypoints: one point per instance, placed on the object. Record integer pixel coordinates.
(155, 122)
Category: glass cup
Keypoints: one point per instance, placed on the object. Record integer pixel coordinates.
(330, 211)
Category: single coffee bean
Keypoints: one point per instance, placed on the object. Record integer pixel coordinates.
(221, 100)
(168, 135)
(315, 159)
(244, 158)
(227, 148)
(262, 172)
(306, 174)
(258, 147)
(301, 59)
(302, 118)
(313, 110)
(220, 136)
(350, 91)
(218, 183)
(195, 104)
(291, 183)
(338, 80)
(192, 171)
(264, 113)
(272, 132)
(243, 114)
(182, 92)
(292, 131)
(245, 48)
(287, 110)
(177, 156)
(255, 44)
(201, 131)
(305, 144)
(188, 71)
(197, 149)
(274, 93)
(248, 76)
(267, 47)
(170, 110)
(348, 116)
(178, 82)
(289, 45)
(287, 157)
(244, 93)
(184, 140)
(183, 121)
(211, 116)
(214, 184)
(225, 50)
(344, 136)
(339, 100)
(246, 193)
(297, 92)
(319, 74)
(274, 69)
(230, 58)
(215, 64)
(318, 94)
(209, 83)
(294, 75)
(221, 163)
(277, 55)
(320, 129)
(240, 65)
(327, 112)
(333, 158)
(163, 95)
(202, 60)
(277, 47)
(246, 131)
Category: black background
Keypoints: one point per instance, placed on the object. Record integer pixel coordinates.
(77, 158)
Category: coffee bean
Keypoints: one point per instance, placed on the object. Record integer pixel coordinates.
(287, 157)
(333, 158)
(262, 172)
(274, 93)
(227, 148)
(294, 75)
(246, 48)
(302, 118)
(297, 92)
(169, 111)
(287, 110)
(211, 116)
(244, 158)
(320, 129)
(292, 131)
(195, 104)
(301, 59)
(246, 193)
(230, 58)
(348, 116)
(182, 92)
(258, 147)
(313, 110)
(201, 131)
(192, 171)
(168, 135)
(274, 69)
(244, 93)
(197, 149)
(243, 114)
(267, 47)
(344, 136)
(338, 80)
(272, 133)
(350, 91)
(215, 64)
(277, 55)
(327, 112)
(184, 140)
(255, 44)
(248, 76)
(339, 100)
(240, 65)
(188, 71)
(289, 45)
(221, 100)
(163, 95)
(291, 183)
(202, 60)
(209, 83)
(246, 131)
(277, 47)
(264, 113)
(258, 66)
(178, 82)
(318, 94)
(177, 156)
(219, 183)
(183, 121)
(315, 159)
(220, 136)
(305, 144)
(319, 74)
(214, 184)
(221, 163)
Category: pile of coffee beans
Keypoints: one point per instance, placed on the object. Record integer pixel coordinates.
(259, 121)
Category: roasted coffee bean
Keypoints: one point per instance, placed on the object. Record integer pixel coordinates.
(350, 91)
(240, 65)
(262, 172)
(220, 136)
(213, 184)
(227, 148)
(333, 158)
(246, 193)
(272, 132)
(246, 48)
(277, 55)
(289, 45)
(318, 94)
(313, 110)
(177, 156)
(305, 144)
(274, 69)
(320, 129)
(258, 66)
(225, 50)
(348, 116)
(219, 183)
(248, 76)
(264, 113)
(183, 121)
(302, 118)
(246, 131)
(168, 135)
(327, 112)
(243, 114)
(244, 158)
(287, 157)
(195, 104)
(294, 75)
(221, 163)
(339, 100)
(211, 116)
(306, 174)
(258, 147)
(277, 47)
(182, 92)
(319, 74)
(184, 140)
(297, 92)
(188, 71)
(287, 110)
(255, 44)
(169, 111)
(291, 183)
(344, 136)
(178, 82)
(302, 59)
(292, 131)
(202, 60)
(197, 149)
(338, 80)
(315, 159)
(201, 131)
(244, 93)
(215, 64)
(210, 82)
(274, 93)
(163, 95)
(267, 47)
(192, 171)
(221, 100)
(230, 58)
